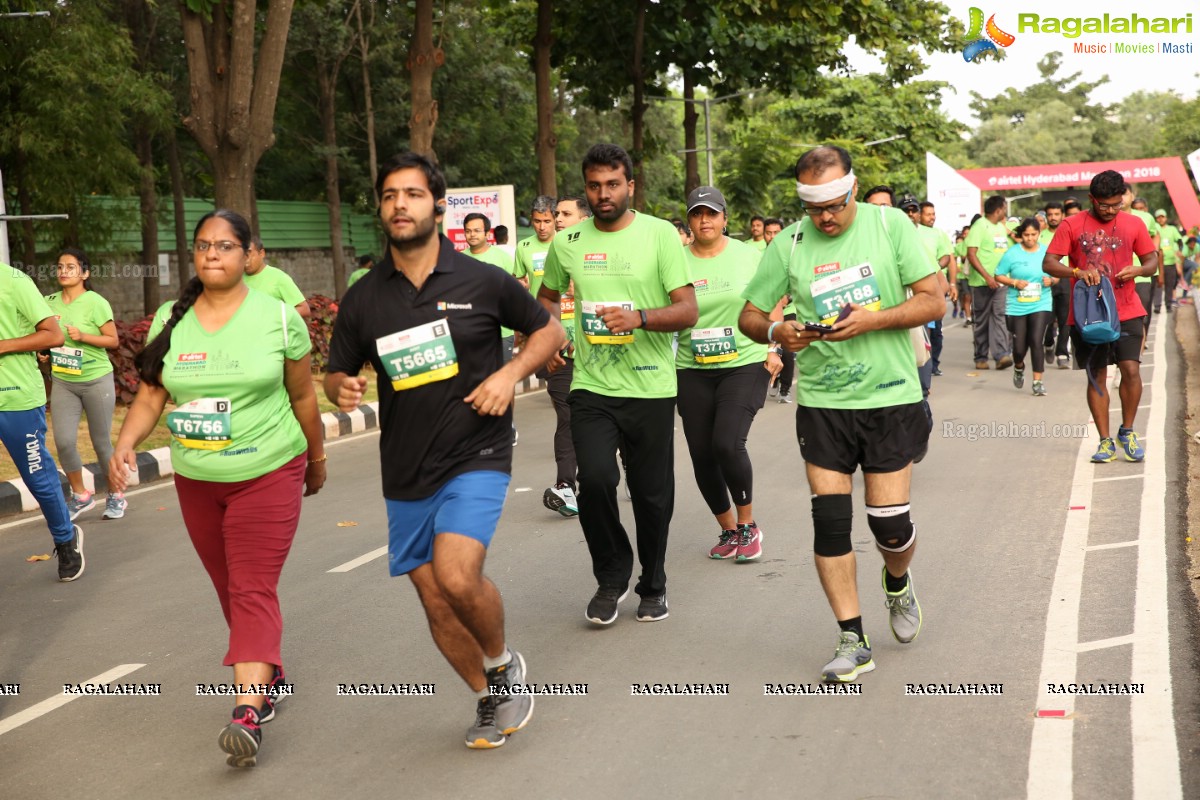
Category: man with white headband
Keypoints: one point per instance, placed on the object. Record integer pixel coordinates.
(858, 399)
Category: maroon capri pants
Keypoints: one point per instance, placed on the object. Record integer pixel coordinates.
(242, 532)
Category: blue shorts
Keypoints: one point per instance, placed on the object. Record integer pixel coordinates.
(468, 504)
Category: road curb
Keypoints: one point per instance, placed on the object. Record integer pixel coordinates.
(155, 464)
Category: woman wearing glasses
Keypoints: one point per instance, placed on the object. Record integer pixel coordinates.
(723, 376)
(246, 438)
(81, 378)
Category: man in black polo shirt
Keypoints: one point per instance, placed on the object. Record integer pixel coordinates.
(428, 319)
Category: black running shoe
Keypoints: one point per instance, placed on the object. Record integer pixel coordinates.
(70, 557)
(276, 694)
(241, 737)
(653, 608)
(602, 610)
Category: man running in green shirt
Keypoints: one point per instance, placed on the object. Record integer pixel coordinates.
(262, 277)
(986, 242)
(1170, 244)
(364, 266)
(632, 291)
(758, 233)
(848, 267)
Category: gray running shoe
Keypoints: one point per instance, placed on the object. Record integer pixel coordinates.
(512, 710)
(602, 610)
(484, 735)
(903, 609)
(76, 506)
(1039, 389)
(653, 608)
(114, 506)
(1018, 378)
(853, 657)
(1062, 362)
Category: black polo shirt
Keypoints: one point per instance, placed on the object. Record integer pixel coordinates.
(429, 435)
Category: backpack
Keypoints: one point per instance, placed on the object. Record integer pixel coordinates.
(1095, 310)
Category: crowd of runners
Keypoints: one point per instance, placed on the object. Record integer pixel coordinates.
(840, 312)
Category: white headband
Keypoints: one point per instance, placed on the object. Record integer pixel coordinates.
(824, 192)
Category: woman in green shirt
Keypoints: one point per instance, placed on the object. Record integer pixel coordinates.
(81, 378)
(723, 375)
(246, 439)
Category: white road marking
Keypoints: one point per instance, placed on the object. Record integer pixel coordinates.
(1051, 767)
(1155, 751)
(1101, 644)
(46, 706)
(1152, 715)
(1113, 546)
(1120, 478)
(358, 562)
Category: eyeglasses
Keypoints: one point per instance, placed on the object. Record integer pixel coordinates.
(836, 208)
(1110, 206)
(223, 247)
(67, 268)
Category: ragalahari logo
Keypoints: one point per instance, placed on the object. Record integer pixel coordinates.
(981, 43)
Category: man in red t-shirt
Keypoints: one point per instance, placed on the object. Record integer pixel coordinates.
(1103, 242)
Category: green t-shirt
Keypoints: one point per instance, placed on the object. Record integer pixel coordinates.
(790, 308)
(1044, 238)
(277, 284)
(715, 342)
(355, 277)
(960, 253)
(992, 240)
(871, 263)
(935, 243)
(637, 267)
(22, 307)
(1170, 241)
(531, 261)
(760, 245)
(76, 362)
(241, 425)
(497, 258)
(1152, 229)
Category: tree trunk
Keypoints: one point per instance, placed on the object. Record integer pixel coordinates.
(691, 157)
(25, 202)
(639, 105)
(547, 142)
(148, 204)
(423, 59)
(327, 86)
(183, 260)
(364, 43)
(233, 98)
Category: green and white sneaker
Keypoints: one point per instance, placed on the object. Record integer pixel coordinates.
(903, 610)
(853, 657)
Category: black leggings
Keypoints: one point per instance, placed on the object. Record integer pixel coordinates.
(1028, 331)
(717, 407)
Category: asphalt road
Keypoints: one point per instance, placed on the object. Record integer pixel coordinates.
(1018, 589)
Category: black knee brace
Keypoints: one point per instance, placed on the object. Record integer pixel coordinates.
(894, 531)
(832, 515)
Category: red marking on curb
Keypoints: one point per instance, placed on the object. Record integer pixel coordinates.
(1051, 712)
(1077, 508)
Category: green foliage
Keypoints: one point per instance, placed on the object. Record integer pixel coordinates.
(69, 91)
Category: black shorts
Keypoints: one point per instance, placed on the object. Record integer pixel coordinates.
(1127, 348)
(877, 439)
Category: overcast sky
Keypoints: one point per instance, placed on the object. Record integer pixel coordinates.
(1127, 73)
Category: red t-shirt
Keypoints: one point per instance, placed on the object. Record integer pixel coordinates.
(1105, 247)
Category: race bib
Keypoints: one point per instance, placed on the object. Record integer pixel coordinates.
(420, 355)
(1031, 293)
(539, 264)
(850, 285)
(66, 361)
(594, 328)
(202, 424)
(1000, 242)
(566, 308)
(713, 345)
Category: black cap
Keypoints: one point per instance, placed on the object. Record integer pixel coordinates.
(708, 196)
(908, 201)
